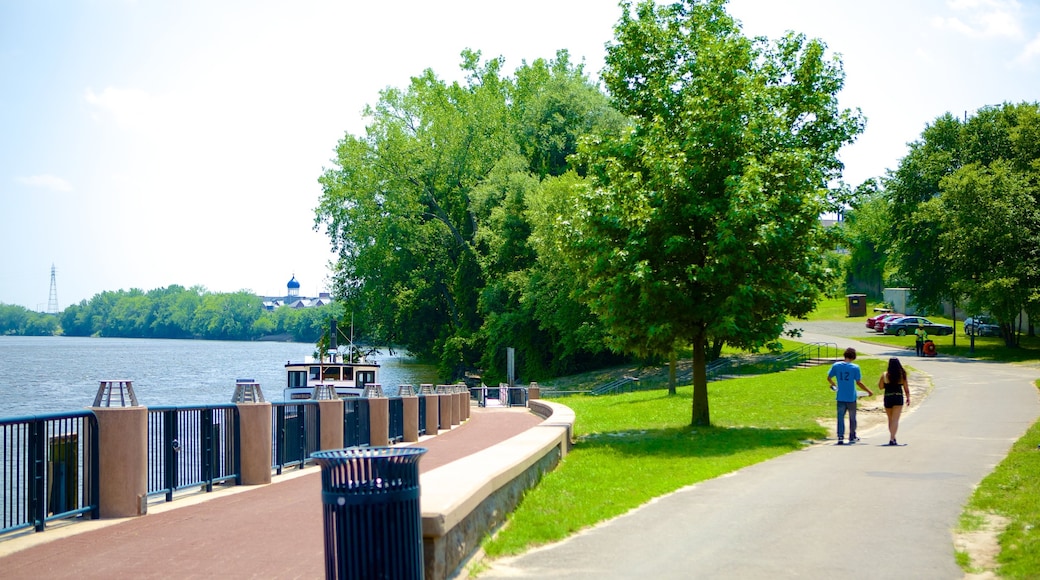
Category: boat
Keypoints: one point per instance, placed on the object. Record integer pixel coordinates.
(345, 373)
(347, 379)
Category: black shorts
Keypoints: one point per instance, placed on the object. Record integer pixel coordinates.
(894, 400)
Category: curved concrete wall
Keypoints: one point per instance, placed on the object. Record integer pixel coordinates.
(466, 500)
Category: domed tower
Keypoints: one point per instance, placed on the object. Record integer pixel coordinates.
(293, 288)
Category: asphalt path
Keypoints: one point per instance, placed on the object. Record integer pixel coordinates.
(858, 511)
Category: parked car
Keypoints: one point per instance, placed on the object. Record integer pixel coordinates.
(908, 324)
(879, 324)
(873, 319)
(981, 325)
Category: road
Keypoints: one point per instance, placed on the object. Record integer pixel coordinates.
(860, 511)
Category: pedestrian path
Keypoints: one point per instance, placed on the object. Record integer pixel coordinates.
(269, 531)
(856, 511)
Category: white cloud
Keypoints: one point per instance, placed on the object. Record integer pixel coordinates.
(130, 108)
(1030, 53)
(50, 182)
(983, 18)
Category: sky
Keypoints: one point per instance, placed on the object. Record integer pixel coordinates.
(145, 143)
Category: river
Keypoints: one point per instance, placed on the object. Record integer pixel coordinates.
(54, 374)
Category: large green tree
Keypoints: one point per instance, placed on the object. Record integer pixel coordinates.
(428, 210)
(701, 222)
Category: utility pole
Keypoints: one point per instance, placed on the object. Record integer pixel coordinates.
(52, 300)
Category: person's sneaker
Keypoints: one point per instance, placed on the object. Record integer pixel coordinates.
(841, 442)
(853, 440)
(893, 443)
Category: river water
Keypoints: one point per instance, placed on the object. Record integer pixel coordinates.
(54, 374)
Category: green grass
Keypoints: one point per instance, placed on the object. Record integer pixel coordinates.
(637, 446)
(1012, 491)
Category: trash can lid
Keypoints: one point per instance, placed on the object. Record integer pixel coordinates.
(336, 455)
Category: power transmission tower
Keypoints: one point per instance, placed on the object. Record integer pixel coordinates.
(52, 301)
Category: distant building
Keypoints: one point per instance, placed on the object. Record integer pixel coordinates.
(292, 298)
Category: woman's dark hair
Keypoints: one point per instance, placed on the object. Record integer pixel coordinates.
(895, 370)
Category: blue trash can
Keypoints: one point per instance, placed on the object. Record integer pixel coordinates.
(370, 507)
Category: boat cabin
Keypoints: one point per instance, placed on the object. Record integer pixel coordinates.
(348, 379)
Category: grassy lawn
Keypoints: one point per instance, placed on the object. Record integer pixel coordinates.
(637, 446)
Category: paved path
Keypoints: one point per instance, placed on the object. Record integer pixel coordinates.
(861, 511)
(270, 531)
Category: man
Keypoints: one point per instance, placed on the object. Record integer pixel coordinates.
(922, 335)
(849, 377)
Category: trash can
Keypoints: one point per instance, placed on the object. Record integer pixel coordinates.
(856, 305)
(370, 507)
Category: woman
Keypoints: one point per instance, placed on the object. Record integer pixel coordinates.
(897, 393)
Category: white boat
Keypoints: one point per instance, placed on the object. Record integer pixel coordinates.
(347, 379)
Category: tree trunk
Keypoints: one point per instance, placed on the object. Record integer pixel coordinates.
(671, 373)
(701, 417)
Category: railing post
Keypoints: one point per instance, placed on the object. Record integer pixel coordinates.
(122, 461)
(379, 421)
(330, 424)
(411, 418)
(207, 452)
(254, 432)
(173, 449)
(279, 434)
(38, 470)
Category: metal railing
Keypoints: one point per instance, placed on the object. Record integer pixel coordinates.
(48, 469)
(296, 433)
(396, 418)
(192, 446)
(356, 422)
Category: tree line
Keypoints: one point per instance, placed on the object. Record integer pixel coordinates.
(957, 219)
(173, 312)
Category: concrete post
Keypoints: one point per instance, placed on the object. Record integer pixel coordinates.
(411, 418)
(379, 421)
(459, 415)
(446, 406)
(331, 413)
(254, 423)
(123, 461)
(433, 414)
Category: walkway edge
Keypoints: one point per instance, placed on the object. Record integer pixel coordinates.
(468, 499)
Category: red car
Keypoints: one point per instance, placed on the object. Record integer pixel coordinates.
(873, 319)
(879, 324)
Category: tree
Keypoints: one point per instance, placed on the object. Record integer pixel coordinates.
(701, 223)
(428, 210)
(965, 226)
(866, 237)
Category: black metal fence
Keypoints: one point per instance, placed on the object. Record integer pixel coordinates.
(356, 422)
(192, 447)
(48, 469)
(49, 463)
(296, 432)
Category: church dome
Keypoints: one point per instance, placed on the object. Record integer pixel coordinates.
(293, 284)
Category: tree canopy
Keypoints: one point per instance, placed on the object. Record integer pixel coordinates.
(700, 221)
(428, 212)
(965, 226)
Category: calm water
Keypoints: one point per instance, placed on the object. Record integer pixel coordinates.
(54, 374)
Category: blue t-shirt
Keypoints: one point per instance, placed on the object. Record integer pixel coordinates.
(846, 374)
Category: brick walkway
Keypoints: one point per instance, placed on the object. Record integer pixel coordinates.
(270, 531)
